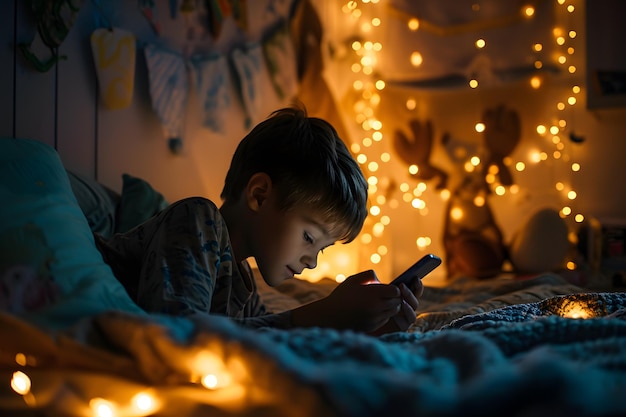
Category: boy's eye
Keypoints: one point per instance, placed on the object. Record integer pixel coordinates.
(308, 238)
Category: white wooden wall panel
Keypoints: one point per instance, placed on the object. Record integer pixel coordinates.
(7, 68)
(76, 97)
(35, 101)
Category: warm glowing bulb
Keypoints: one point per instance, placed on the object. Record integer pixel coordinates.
(210, 381)
(456, 213)
(480, 43)
(102, 407)
(414, 24)
(144, 402)
(520, 166)
(541, 129)
(21, 359)
(473, 83)
(413, 169)
(20, 382)
(479, 127)
(571, 195)
(535, 82)
(423, 242)
(537, 47)
(579, 218)
(416, 59)
(411, 104)
(529, 11)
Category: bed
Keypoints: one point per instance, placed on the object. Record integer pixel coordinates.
(503, 346)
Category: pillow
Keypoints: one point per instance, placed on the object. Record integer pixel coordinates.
(97, 202)
(37, 197)
(138, 203)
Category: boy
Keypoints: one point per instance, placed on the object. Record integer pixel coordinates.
(292, 190)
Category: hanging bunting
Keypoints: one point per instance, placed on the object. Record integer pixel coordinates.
(54, 20)
(169, 88)
(114, 57)
(149, 10)
(280, 56)
(213, 86)
(220, 10)
(248, 68)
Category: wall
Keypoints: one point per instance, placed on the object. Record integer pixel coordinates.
(63, 108)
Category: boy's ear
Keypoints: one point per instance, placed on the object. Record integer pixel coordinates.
(258, 190)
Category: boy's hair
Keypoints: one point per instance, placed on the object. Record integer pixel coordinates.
(310, 166)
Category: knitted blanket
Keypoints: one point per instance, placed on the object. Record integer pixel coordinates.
(525, 348)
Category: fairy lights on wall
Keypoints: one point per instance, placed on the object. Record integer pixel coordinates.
(552, 143)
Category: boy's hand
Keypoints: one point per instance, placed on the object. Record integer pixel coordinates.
(406, 316)
(376, 308)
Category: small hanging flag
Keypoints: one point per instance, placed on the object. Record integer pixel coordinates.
(249, 66)
(169, 88)
(213, 86)
(148, 8)
(114, 57)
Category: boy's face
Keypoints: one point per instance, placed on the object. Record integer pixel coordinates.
(287, 242)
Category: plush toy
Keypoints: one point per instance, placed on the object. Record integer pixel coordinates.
(541, 244)
(416, 149)
(502, 134)
(25, 280)
(472, 240)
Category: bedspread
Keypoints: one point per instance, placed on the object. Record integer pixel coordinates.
(502, 347)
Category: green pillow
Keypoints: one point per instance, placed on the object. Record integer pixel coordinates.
(98, 203)
(138, 203)
(40, 213)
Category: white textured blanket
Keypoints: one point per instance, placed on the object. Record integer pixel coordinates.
(501, 348)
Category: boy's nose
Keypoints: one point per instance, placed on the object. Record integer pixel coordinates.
(310, 261)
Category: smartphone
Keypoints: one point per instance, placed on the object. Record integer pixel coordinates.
(419, 270)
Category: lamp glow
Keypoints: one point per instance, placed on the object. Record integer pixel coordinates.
(20, 383)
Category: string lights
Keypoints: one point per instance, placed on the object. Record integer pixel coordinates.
(550, 147)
